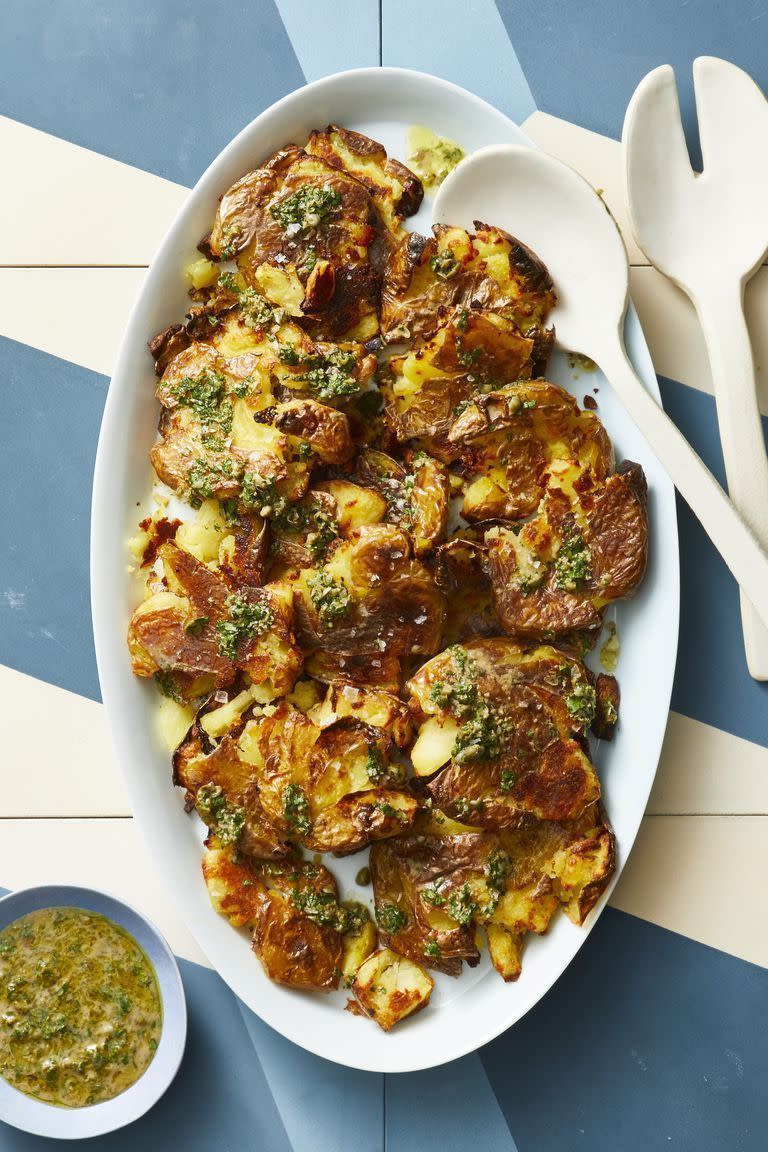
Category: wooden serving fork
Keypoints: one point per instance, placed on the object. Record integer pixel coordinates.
(708, 232)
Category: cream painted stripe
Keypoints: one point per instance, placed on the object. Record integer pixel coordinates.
(702, 877)
(77, 314)
(596, 157)
(68, 769)
(705, 770)
(63, 204)
(675, 339)
(57, 756)
(107, 853)
(699, 876)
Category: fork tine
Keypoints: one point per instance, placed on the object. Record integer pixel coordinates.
(658, 168)
(725, 97)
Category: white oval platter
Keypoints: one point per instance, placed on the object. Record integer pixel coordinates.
(467, 1012)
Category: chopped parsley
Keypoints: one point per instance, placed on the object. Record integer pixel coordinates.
(287, 354)
(296, 809)
(582, 704)
(166, 684)
(231, 237)
(261, 494)
(444, 264)
(432, 950)
(247, 618)
(433, 895)
(461, 907)
(331, 375)
(573, 563)
(324, 909)
(256, 311)
(204, 476)
(481, 735)
(496, 870)
(330, 597)
(508, 779)
(224, 819)
(375, 765)
(203, 394)
(390, 918)
(310, 207)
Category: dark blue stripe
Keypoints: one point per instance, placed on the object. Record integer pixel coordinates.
(51, 417)
(712, 683)
(161, 86)
(583, 61)
(648, 1041)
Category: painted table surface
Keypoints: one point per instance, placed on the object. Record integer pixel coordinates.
(655, 1037)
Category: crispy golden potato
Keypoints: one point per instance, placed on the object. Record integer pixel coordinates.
(374, 708)
(232, 883)
(371, 599)
(159, 640)
(389, 987)
(310, 226)
(416, 493)
(395, 190)
(557, 573)
(489, 269)
(505, 727)
(471, 353)
(434, 886)
(200, 627)
(515, 442)
(333, 788)
(223, 787)
(460, 572)
(404, 868)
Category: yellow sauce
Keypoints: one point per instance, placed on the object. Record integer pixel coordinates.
(609, 653)
(431, 157)
(80, 1009)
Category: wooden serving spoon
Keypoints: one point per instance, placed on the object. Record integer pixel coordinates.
(708, 232)
(558, 214)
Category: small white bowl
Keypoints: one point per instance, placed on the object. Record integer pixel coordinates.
(42, 1119)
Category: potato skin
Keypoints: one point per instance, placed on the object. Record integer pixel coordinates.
(495, 272)
(542, 769)
(396, 191)
(616, 535)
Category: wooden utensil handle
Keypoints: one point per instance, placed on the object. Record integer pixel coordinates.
(730, 534)
(741, 435)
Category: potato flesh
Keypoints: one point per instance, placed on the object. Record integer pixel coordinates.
(389, 987)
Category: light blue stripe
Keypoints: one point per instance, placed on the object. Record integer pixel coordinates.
(465, 42)
(446, 1109)
(332, 37)
(325, 1107)
(162, 86)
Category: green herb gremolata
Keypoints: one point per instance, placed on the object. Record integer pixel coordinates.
(80, 1010)
(246, 620)
(310, 207)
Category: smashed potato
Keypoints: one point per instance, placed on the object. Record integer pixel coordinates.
(368, 622)
(389, 987)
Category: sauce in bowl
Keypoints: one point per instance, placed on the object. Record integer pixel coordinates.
(80, 1009)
